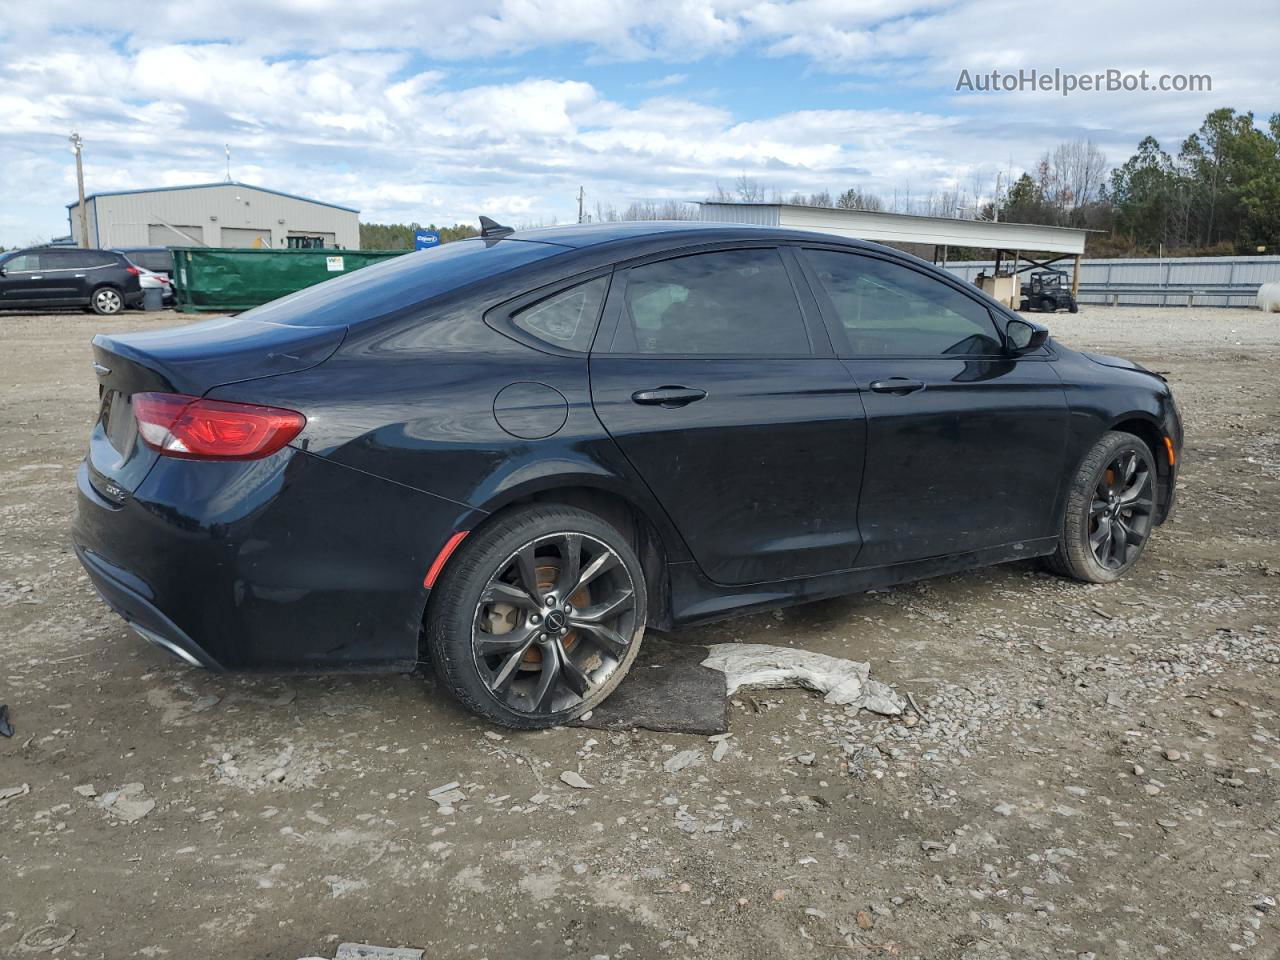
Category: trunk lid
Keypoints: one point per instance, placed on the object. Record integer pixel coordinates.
(191, 360)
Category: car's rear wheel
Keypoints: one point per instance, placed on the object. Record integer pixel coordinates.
(1110, 510)
(538, 616)
(106, 301)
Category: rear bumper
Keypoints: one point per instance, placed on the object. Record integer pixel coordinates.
(291, 563)
(129, 597)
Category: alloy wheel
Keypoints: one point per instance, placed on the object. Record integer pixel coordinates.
(107, 301)
(1120, 510)
(554, 623)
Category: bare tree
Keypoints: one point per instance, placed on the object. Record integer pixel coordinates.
(749, 189)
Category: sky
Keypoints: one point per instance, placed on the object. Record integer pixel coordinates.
(440, 110)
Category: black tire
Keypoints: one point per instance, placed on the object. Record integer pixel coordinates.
(1046, 305)
(1110, 514)
(1074, 307)
(106, 301)
(487, 643)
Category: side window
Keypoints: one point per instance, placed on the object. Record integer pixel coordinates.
(23, 261)
(891, 310)
(566, 319)
(63, 260)
(723, 303)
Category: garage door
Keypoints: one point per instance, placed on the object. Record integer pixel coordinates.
(159, 235)
(245, 237)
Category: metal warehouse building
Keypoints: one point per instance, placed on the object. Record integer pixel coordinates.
(225, 214)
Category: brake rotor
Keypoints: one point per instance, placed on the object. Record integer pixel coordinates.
(547, 573)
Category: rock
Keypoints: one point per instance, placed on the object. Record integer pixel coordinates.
(47, 938)
(1004, 809)
(10, 793)
(574, 779)
(129, 803)
(1218, 713)
(341, 886)
(86, 790)
(494, 735)
(277, 775)
(845, 682)
(1172, 755)
(1264, 903)
(721, 751)
(685, 758)
(1151, 789)
(864, 921)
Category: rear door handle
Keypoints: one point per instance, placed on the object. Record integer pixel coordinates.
(668, 396)
(897, 385)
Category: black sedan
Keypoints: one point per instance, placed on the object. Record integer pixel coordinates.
(510, 455)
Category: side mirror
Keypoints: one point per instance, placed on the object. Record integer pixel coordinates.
(1021, 337)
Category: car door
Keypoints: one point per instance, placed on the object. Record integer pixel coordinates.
(23, 281)
(965, 441)
(67, 273)
(714, 376)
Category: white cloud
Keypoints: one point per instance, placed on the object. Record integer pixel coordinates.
(387, 104)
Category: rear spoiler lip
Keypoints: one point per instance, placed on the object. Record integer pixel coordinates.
(234, 351)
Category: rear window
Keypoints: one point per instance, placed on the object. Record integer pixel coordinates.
(159, 261)
(382, 288)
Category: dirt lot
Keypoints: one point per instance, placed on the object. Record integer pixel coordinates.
(1096, 773)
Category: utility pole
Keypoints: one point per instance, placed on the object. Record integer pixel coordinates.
(995, 205)
(581, 198)
(76, 144)
(227, 148)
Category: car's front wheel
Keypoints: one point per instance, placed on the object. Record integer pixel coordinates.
(106, 301)
(538, 616)
(1110, 510)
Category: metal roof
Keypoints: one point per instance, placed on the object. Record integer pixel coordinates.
(901, 227)
(220, 183)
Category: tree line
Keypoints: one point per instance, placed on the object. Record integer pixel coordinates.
(399, 236)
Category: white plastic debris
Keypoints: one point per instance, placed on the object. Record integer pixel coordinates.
(845, 682)
(364, 951)
(9, 793)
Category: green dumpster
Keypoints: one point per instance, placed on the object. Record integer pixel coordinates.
(227, 280)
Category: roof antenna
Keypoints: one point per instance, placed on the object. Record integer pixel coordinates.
(491, 229)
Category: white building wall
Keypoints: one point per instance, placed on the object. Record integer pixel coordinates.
(125, 219)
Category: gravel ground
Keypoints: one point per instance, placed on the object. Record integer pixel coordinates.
(1094, 774)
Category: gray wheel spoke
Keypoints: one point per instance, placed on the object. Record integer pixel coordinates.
(607, 639)
(507, 672)
(495, 644)
(544, 694)
(527, 571)
(600, 612)
(1119, 542)
(570, 565)
(601, 564)
(499, 592)
(573, 676)
(1097, 508)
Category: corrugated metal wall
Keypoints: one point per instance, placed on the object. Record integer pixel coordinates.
(759, 215)
(1163, 282)
(126, 219)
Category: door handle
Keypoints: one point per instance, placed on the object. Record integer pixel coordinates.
(668, 396)
(900, 386)
(36, 277)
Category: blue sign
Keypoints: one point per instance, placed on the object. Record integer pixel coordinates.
(425, 239)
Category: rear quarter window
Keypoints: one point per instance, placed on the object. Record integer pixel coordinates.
(413, 278)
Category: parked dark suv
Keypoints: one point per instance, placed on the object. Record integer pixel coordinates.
(102, 280)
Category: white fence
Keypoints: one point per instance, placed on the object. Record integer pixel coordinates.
(1179, 281)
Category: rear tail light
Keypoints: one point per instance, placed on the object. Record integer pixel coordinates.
(192, 428)
(133, 271)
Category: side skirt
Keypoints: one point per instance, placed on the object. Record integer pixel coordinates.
(695, 599)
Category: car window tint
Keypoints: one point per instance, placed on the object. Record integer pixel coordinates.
(887, 309)
(23, 261)
(566, 319)
(101, 258)
(64, 260)
(724, 303)
(402, 281)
